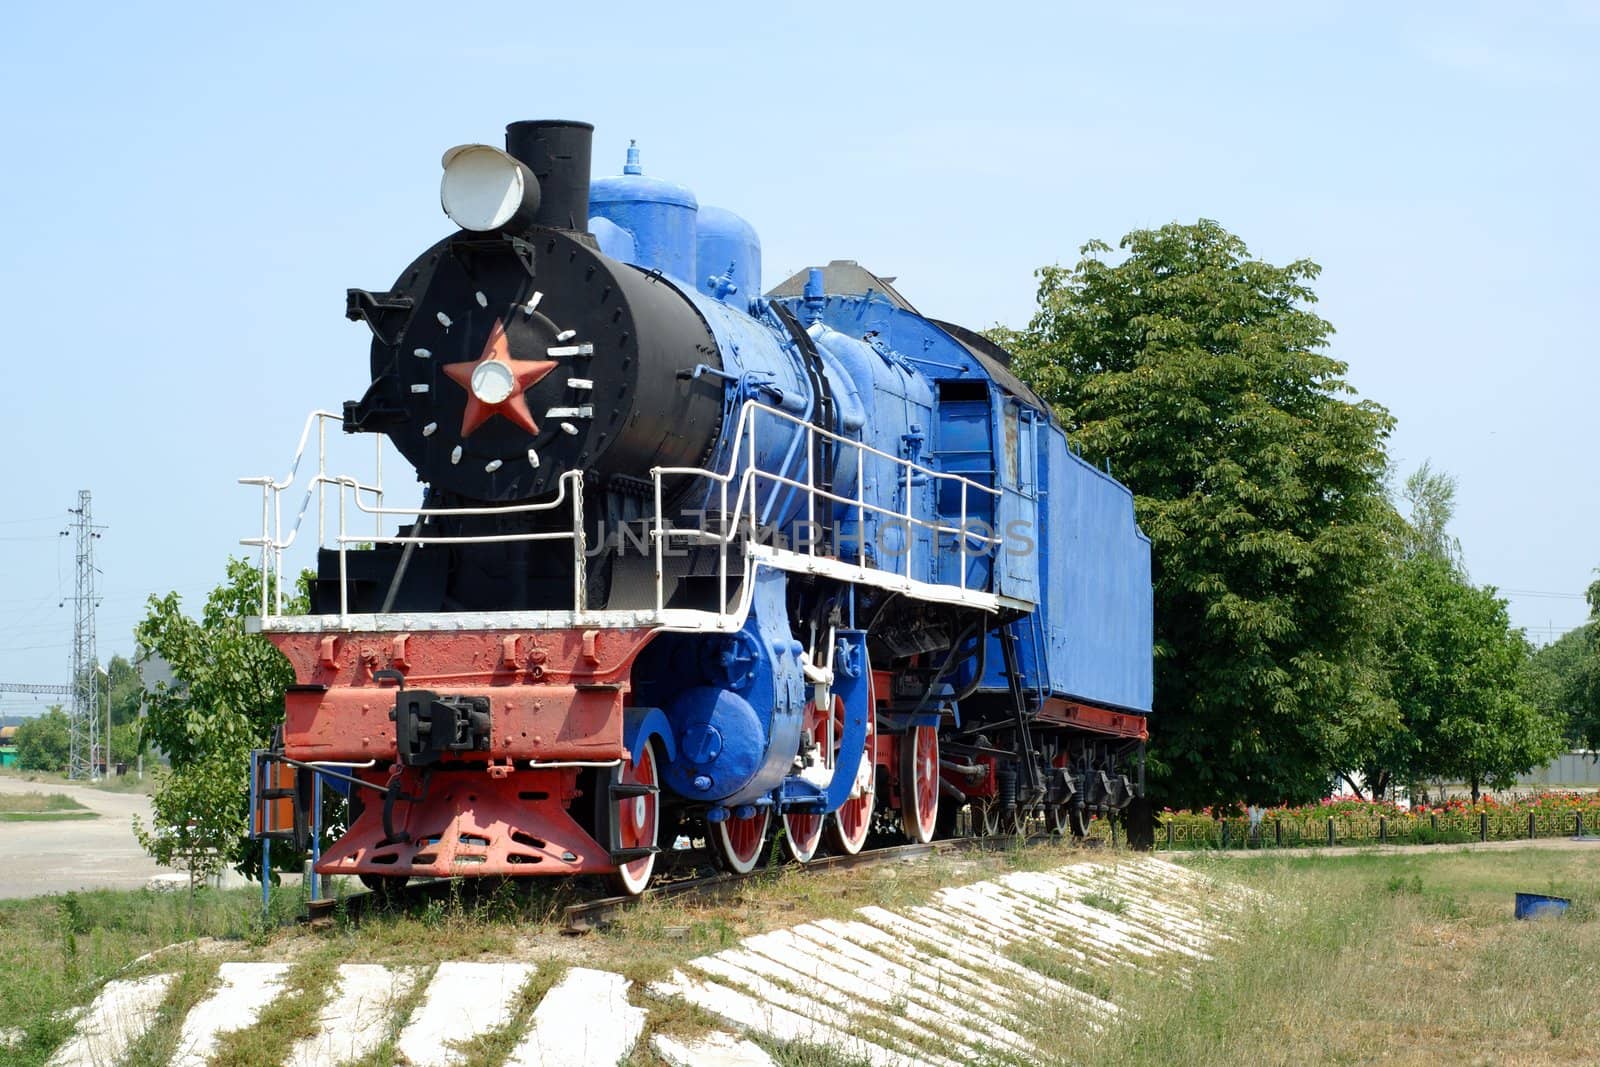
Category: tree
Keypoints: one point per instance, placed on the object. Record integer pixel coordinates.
(229, 701)
(1199, 373)
(1457, 671)
(127, 691)
(1570, 668)
(1558, 682)
(1432, 496)
(44, 743)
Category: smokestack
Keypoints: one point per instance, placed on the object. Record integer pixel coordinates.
(558, 154)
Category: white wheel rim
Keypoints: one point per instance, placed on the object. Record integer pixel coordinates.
(738, 864)
(636, 875)
(802, 850)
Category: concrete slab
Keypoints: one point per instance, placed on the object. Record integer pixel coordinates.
(715, 1049)
(974, 987)
(119, 1016)
(747, 1012)
(463, 1000)
(245, 989)
(818, 981)
(585, 1020)
(923, 997)
(357, 1016)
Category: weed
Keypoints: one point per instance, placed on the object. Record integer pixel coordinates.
(492, 1048)
(1425, 960)
(1056, 965)
(157, 1046)
(1105, 902)
(1400, 884)
(803, 1054)
(292, 1015)
(56, 952)
(1443, 906)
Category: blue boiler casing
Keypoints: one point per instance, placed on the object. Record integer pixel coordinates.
(1071, 555)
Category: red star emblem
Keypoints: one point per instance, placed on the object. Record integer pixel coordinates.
(498, 390)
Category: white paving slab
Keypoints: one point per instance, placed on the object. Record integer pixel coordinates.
(715, 1049)
(978, 989)
(748, 1012)
(463, 1000)
(973, 1023)
(939, 930)
(585, 1020)
(245, 989)
(819, 982)
(886, 986)
(1066, 911)
(118, 1017)
(357, 1016)
(936, 977)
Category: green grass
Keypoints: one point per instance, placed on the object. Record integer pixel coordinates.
(291, 1016)
(1356, 958)
(57, 951)
(117, 783)
(42, 807)
(37, 804)
(1347, 957)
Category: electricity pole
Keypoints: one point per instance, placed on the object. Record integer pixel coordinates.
(85, 715)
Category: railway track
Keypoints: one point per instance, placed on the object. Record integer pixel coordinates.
(694, 884)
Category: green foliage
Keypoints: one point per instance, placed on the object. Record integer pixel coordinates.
(1432, 496)
(126, 741)
(1198, 371)
(228, 701)
(1565, 676)
(127, 690)
(44, 743)
(199, 815)
(1555, 682)
(1457, 673)
(231, 687)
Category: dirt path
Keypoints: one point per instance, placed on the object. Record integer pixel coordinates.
(54, 857)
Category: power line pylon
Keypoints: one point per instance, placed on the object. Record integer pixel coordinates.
(85, 752)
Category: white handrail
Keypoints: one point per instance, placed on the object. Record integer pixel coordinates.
(367, 499)
(745, 434)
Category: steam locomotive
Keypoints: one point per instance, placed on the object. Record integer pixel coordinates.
(693, 560)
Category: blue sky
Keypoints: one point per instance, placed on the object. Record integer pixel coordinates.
(190, 190)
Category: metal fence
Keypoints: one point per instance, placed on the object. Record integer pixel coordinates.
(1300, 831)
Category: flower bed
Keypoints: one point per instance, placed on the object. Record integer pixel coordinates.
(1343, 820)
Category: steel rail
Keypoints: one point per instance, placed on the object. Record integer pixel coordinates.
(596, 914)
(586, 916)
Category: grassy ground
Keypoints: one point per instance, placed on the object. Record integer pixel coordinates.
(117, 783)
(1356, 958)
(57, 951)
(1348, 957)
(41, 807)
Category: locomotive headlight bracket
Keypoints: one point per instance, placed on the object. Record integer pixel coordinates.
(485, 189)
